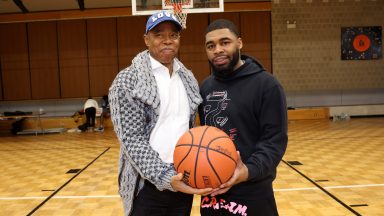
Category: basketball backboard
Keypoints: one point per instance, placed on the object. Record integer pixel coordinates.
(148, 7)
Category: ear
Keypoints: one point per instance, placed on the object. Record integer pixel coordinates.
(240, 43)
(146, 40)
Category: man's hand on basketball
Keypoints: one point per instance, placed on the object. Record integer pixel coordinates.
(240, 175)
(178, 185)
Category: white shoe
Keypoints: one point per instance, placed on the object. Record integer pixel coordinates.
(99, 129)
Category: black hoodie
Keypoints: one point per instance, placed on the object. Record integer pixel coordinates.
(250, 106)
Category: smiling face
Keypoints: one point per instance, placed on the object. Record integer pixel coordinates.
(223, 50)
(163, 42)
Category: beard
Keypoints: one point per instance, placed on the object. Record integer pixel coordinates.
(227, 68)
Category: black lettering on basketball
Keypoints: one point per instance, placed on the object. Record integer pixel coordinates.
(221, 151)
(207, 181)
(186, 175)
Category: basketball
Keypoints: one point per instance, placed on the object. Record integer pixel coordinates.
(206, 156)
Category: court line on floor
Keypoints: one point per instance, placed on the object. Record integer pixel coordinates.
(330, 187)
(55, 149)
(323, 189)
(59, 197)
(332, 138)
(73, 177)
(117, 196)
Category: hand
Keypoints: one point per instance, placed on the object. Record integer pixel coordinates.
(240, 175)
(178, 185)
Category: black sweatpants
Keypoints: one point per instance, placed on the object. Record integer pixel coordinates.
(246, 203)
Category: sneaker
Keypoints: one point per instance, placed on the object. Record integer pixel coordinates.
(99, 129)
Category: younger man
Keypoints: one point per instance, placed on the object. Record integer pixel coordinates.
(248, 103)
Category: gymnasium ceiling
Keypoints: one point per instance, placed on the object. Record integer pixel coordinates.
(30, 6)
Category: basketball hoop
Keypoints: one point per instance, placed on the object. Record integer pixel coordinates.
(177, 7)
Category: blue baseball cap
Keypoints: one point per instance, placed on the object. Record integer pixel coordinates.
(160, 17)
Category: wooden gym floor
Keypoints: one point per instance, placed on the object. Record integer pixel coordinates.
(330, 168)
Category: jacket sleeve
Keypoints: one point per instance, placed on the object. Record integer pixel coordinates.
(273, 142)
(130, 123)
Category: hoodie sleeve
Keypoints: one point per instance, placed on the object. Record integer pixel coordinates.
(273, 143)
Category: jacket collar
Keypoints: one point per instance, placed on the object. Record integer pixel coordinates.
(146, 86)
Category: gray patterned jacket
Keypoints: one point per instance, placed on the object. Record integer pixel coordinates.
(135, 105)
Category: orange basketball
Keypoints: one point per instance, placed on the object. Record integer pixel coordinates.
(206, 156)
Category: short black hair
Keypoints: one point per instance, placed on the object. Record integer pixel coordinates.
(223, 24)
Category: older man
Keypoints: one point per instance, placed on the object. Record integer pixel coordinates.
(153, 102)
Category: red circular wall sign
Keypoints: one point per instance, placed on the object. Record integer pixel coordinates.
(361, 43)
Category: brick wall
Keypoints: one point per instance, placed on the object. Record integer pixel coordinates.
(308, 57)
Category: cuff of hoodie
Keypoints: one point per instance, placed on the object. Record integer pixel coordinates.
(253, 172)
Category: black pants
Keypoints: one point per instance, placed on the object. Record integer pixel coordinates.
(90, 114)
(152, 202)
(246, 203)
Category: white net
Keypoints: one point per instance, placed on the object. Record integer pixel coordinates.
(182, 17)
(178, 10)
